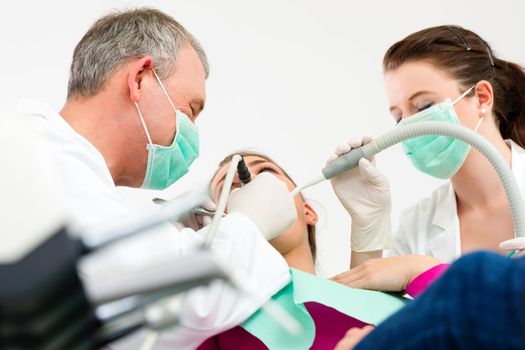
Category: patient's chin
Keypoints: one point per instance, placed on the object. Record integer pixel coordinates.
(287, 241)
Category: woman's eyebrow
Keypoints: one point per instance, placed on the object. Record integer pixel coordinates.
(258, 161)
(252, 163)
(419, 93)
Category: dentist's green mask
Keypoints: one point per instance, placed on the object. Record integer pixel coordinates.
(168, 164)
(438, 156)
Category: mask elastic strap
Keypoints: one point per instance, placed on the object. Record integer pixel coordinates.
(164, 90)
(478, 124)
(463, 95)
(143, 124)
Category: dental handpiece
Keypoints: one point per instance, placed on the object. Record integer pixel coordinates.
(243, 172)
(342, 164)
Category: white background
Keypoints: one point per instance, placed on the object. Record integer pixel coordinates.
(290, 78)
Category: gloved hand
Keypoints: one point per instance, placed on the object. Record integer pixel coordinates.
(194, 219)
(515, 245)
(267, 202)
(365, 194)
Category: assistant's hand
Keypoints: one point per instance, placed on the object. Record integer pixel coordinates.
(392, 274)
(267, 202)
(352, 337)
(365, 194)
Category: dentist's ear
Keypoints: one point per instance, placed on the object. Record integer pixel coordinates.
(485, 97)
(137, 70)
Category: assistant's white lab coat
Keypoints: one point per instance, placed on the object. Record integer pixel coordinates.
(92, 201)
(431, 227)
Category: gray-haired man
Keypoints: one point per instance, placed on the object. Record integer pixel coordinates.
(137, 84)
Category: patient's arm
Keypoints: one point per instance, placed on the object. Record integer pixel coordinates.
(391, 274)
(357, 258)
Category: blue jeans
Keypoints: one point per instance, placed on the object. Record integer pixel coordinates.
(477, 304)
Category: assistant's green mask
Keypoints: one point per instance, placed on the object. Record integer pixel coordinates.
(436, 155)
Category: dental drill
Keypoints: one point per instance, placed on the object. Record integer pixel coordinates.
(351, 159)
(243, 172)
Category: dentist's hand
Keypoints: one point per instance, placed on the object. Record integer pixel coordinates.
(267, 202)
(365, 194)
(194, 219)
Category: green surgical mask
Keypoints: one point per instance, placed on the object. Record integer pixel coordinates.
(436, 155)
(168, 164)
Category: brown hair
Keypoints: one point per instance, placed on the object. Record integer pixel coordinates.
(310, 228)
(469, 59)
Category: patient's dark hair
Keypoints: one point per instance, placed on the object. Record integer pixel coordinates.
(310, 228)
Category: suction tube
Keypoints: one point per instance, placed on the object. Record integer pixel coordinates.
(401, 133)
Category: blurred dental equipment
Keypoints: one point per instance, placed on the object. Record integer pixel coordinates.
(169, 211)
(403, 132)
(196, 218)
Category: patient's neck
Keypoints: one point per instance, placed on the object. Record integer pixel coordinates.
(300, 258)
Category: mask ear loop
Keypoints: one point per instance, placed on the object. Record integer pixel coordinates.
(143, 124)
(169, 100)
(478, 124)
(463, 95)
(164, 90)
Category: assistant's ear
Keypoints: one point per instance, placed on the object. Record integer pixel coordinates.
(484, 96)
(135, 75)
(310, 215)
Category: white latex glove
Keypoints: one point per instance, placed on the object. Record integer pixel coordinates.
(194, 219)
(365, 194)
(516, 244)
(267, 202)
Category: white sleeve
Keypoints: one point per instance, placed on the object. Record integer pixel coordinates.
(207, 311)
(398, 244)
(210, 310)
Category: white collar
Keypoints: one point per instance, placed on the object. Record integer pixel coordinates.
(33, 107)
(30, 107)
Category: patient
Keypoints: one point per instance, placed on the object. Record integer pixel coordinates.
(297, 245)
